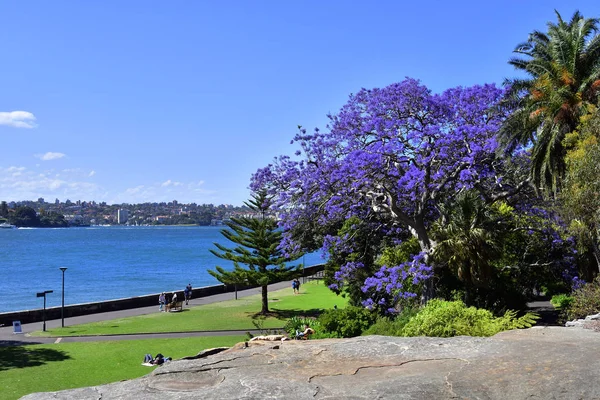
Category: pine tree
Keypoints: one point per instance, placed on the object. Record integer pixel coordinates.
(258, 241)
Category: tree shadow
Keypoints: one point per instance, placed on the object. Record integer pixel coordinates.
(4, 343)
(287, 314)
(23, 356)
(548, 317)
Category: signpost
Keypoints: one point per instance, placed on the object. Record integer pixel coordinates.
(43, 294)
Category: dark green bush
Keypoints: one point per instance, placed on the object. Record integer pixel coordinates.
(442, 318)
(554, 288)
(347, 322)
(387, 326)
(586, 300)
(561, 301)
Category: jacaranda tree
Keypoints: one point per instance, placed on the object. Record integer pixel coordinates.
(399, 152)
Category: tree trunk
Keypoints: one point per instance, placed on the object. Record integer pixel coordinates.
(596, 252)
(265, 300)
(419, 231)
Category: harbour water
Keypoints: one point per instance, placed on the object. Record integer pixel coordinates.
(106, 263)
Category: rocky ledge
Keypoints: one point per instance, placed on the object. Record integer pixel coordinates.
(536, 363)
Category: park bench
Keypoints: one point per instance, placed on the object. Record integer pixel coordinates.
(174, 307)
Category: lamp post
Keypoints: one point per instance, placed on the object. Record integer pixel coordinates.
(43, 294)
(62, 309)
(303, 270)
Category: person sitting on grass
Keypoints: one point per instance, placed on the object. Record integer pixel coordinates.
(158, 360)
(304, 334)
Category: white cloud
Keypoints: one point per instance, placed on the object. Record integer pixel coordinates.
(135, 190)
(192, 192)
(20, 183)
(14, 169)
(50, 156)
(18, 119)
(170, 183)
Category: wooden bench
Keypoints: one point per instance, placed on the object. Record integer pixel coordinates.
(174, 307)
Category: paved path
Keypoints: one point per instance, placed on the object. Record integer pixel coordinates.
(7, 337)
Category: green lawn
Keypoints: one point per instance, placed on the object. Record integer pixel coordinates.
(233, 314)
(52, 367)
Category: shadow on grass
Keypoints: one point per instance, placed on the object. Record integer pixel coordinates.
(19, 356)
(287, 314)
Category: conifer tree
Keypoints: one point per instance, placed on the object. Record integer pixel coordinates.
(258, 241)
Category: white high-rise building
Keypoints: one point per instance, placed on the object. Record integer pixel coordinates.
(122, 216)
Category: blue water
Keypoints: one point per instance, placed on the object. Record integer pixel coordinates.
(106, 263)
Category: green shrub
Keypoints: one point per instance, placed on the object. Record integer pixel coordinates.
(386, 326)
(561, 301)
(586, 300)
(442, 318)
(553, 288)
(348, 322)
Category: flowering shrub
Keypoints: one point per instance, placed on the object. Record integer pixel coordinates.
(391, 284)
(586, 300)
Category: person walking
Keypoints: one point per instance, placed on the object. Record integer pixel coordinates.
(187, 293)
(296, 286)
(162, 301)
(190, 290)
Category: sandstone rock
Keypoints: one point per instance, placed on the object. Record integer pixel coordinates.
(588, 322)
(592, 317)
(536, 363)
(576, 323)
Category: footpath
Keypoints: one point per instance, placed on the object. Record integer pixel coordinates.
(8, 338)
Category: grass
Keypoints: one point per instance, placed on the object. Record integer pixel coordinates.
(228, 315)
(35, 368)
(52, 367)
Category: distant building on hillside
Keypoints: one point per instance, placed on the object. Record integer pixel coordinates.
(161, 218)
(122, 216)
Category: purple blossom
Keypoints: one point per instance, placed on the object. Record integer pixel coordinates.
(390, 284)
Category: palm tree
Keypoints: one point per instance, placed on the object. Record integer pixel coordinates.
(563, 85)
(467, 241)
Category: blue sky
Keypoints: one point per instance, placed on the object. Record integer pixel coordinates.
(149, 101)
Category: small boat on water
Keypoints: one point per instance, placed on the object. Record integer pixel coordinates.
(5, 225)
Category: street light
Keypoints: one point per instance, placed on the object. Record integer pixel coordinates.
(62, 309)
(43, 294)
